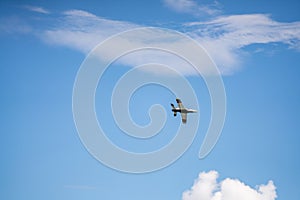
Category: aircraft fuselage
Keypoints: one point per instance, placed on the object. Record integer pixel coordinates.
(184, 110)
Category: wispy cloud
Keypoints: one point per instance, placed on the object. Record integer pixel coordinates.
(82, 30)
(37, 9)
(206, 187)
(11, 25)
(192, 7)
(225, 37)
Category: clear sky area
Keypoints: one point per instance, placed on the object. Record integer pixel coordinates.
(249, 49)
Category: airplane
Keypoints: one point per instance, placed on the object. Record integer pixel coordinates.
(183, 111)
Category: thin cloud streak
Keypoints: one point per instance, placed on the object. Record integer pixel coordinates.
(191, 7)
(37, 9)
(80, 187)
(14, 25)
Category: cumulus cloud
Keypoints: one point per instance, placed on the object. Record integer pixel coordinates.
(206, 187)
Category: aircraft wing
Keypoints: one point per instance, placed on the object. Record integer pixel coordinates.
(183, 114)
(183, 117)
(180, 105)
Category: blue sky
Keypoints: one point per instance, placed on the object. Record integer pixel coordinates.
(255, 45)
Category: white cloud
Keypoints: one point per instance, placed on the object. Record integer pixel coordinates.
(37, 9)
(82, 30)
(226, 36)
(191, 7)
(206, 187)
